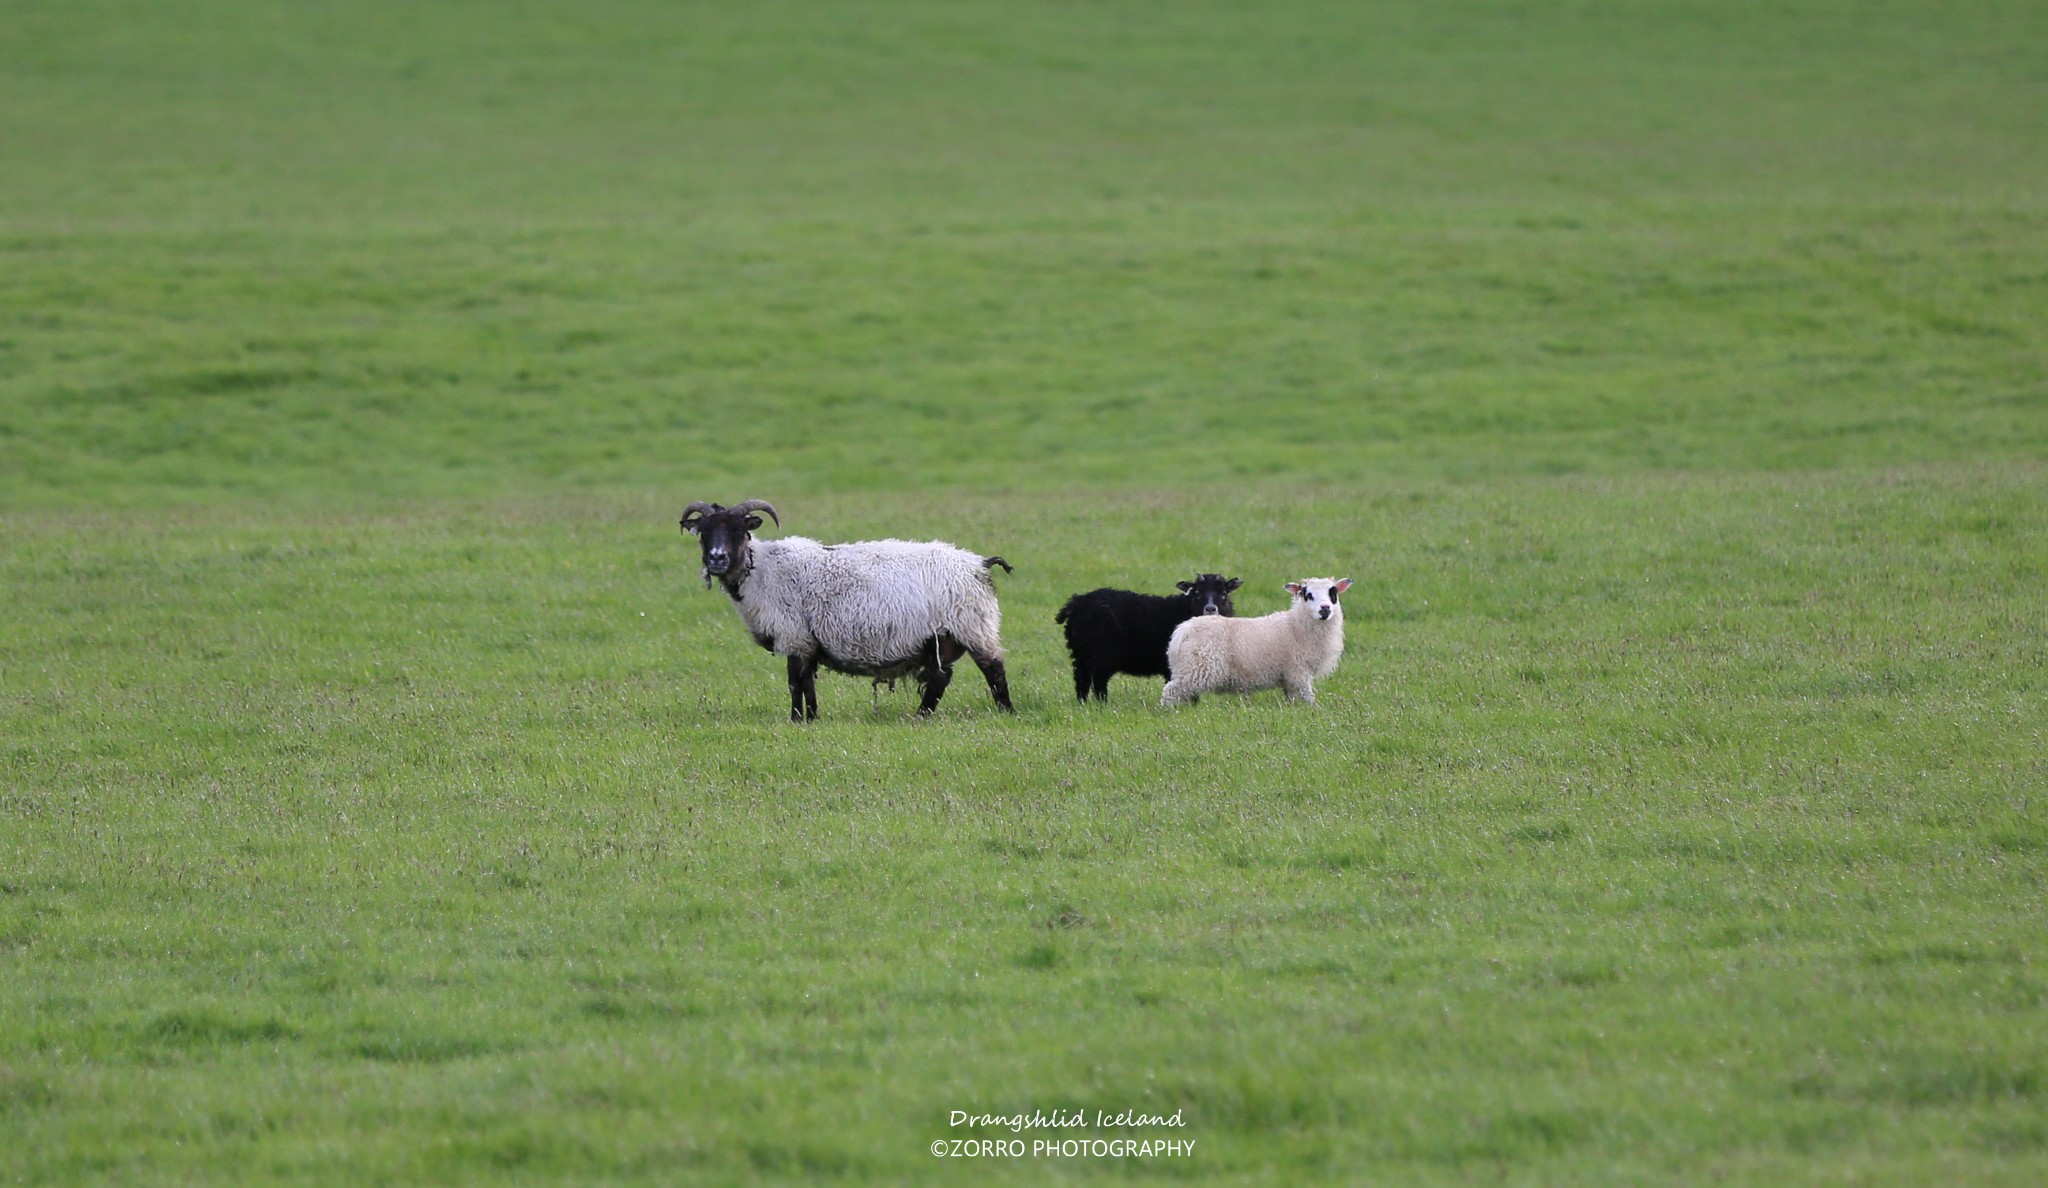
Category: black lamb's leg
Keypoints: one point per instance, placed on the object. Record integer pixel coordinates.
(998, 679)
(1102, 676)
(803, 688)
(1081, 682)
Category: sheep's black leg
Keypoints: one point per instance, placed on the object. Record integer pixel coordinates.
(803, 688)
(1102, 684)
(933, 684)
(1081, 682)
(998, 679)
(937, 672)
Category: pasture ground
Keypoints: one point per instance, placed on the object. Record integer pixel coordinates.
(382, 799)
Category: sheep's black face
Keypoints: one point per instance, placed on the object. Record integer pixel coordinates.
(1209, 594)
(723, 534)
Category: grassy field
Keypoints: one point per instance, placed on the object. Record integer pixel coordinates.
(383, 799)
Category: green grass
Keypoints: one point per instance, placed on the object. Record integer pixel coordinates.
(1112, 351)
(382, 799)
(1650, 828)
(310, 252)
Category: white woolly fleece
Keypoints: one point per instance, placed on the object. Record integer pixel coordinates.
(871, 604)
(1288, 649)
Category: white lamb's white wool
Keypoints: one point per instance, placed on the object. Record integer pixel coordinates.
(1288, 649)
(869, 605)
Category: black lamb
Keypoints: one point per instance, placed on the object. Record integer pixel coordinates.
(1113, 631)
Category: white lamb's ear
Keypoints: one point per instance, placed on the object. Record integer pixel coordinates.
(1342, 585)
(1294, 588)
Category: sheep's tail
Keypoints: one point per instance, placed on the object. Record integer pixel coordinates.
(1067, 611)
(990, 563)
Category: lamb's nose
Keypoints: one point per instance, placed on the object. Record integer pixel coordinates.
(1324, 613)
(1210, 610)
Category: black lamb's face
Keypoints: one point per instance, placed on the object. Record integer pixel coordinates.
(723, 534)
(1209, 594)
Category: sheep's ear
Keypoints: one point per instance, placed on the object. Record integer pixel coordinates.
(1232, 584)
(1342, 585)
(1294, 588)
(753, 522)
(1184, 587)
(690, 526)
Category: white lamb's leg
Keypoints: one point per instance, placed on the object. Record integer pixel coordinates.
(1171, 696)
(1301, 689)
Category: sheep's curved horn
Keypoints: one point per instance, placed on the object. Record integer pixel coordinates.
(697, 511)
(754, 505)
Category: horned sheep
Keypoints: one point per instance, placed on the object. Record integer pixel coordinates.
(880, 608)
(1288, 649)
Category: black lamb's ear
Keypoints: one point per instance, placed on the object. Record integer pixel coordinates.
(1232, 584)
(1184, 587)
(753, 522)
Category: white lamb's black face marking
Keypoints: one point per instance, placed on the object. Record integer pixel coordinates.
(1319, 595)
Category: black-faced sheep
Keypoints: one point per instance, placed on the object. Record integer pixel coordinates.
(879, 608)
(1289, 649)
(1122, 631)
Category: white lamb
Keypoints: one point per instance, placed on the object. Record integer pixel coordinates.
(1288, 649)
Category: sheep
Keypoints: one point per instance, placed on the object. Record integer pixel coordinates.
(880, 608)
(1289, 649)
(1113, 631)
